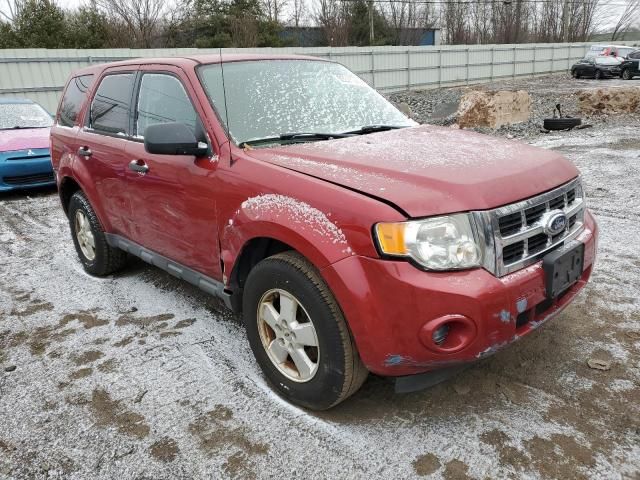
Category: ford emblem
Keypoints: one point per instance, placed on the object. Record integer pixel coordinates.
(555, 223)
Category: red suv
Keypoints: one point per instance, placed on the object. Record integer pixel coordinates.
(351, 239)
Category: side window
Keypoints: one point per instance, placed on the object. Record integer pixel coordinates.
(110, 106)
(73, 98)
(634, 55)
(163, 99)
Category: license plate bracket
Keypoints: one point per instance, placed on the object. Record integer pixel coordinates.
(563, 267)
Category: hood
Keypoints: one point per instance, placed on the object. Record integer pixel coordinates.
(24, 139)
(429, 170)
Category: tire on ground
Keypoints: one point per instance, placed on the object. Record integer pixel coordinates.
(340, 371)
(107, 259)
(565, 123)
(626, 74)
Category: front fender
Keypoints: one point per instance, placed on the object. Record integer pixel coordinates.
(306, 229)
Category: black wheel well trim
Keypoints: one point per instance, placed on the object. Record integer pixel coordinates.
(252, 252)
(68, 186)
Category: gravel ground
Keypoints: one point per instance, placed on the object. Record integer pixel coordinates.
(438, 106)
(138, 375)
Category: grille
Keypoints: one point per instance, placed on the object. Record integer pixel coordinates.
(28, 157)
(28, 179)
(518, 231)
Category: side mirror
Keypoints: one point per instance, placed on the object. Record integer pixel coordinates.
(173, 139)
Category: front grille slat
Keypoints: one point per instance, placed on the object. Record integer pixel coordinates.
(512, 253)
(510, 224)
(30, 157)
(534, 214)
(28, 179)
(537, 243)
(519, 233)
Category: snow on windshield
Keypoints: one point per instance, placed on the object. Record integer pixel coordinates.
(268, 98)
(23, 115)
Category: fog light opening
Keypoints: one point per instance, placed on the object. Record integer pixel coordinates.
(440, 334)
(448, 334)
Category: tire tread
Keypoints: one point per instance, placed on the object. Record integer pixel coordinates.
(355, 371)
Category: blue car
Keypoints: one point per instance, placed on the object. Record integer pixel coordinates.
(25, 161)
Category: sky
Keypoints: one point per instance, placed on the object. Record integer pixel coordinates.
(606, 23)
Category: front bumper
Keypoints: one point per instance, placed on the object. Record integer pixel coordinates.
(388, 303)
(25, 169)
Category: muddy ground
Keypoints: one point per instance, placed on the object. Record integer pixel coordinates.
(140, 375)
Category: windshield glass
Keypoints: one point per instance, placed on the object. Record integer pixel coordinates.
(267, 98)
(23, 115)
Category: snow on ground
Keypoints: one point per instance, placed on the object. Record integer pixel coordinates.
(139, 375)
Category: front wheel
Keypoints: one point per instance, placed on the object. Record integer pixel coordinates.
(97, 256)
(574, 74)
(598, 75)
(626, 74)
(298, 333)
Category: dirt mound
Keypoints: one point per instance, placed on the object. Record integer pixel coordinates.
(494, 109)
(609, 100)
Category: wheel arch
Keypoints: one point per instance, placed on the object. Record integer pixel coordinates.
(67, 187)
(256, 249)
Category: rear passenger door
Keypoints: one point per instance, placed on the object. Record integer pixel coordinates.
(102, 143)
(173, 202)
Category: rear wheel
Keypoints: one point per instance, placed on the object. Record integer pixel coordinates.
(574, 74)
(626, 74)
(598, 75)
(298, 333)
(97, 256)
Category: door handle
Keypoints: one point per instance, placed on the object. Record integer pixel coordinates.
(85, 152)
(138, 166)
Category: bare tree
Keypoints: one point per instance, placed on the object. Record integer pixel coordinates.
(331, 16)
(14, 8)
(627, 19)
(274, 8)
(408, 19)
(143, 18)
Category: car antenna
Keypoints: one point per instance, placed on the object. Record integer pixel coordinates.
(224, 96)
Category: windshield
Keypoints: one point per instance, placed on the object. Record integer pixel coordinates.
(23, 115)
(268, 98)
(607, 61)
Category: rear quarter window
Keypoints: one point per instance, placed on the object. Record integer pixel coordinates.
(111, 106)
(73, 99)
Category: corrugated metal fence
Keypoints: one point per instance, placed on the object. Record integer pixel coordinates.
(40, 74)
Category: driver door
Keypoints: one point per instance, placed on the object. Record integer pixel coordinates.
(172, 196)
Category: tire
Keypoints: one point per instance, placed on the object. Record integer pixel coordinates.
(626, 74)
(574, 74)
(105, 259)
(598, 75)
(565, 123)
(338, 370)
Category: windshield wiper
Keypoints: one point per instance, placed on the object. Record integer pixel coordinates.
(302, 136)
(19, 127)
(374, 128)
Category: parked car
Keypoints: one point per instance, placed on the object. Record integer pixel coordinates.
(351, 239)
(630, 67)
(24, 145)
(617, 51)
(598, 68)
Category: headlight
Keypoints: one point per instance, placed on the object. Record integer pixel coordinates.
(438, 243)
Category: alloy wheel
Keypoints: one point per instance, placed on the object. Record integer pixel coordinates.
(288, 335)
(85, 236)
